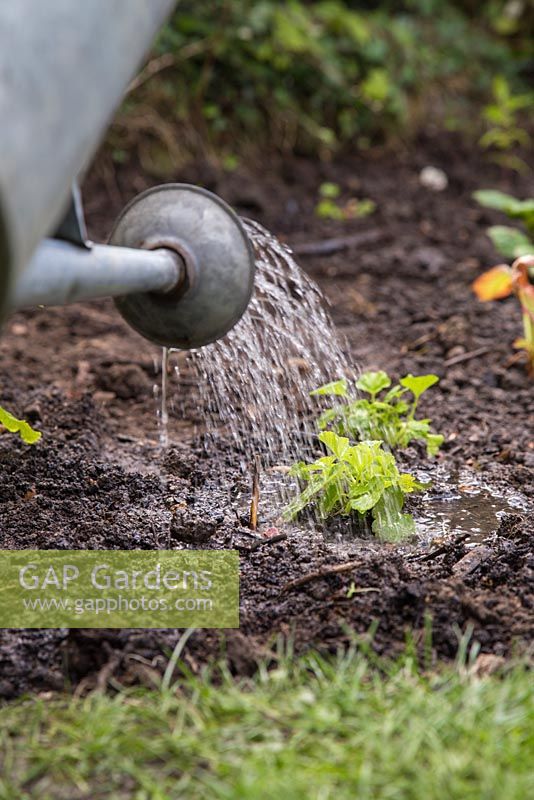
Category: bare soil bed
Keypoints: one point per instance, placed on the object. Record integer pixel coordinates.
(401, 297)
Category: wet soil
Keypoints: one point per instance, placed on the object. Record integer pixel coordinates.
(98, 478)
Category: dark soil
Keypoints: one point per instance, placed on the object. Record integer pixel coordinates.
(98, 478)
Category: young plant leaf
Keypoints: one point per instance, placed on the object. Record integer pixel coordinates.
(337, 444)
(337, 388)
(418, 384)
(20, 426)
(433, 443)
(499, 201)
(373, 382)
(510, 242)
(389, 523)
(329, 190)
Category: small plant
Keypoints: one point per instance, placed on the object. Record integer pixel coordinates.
(20, 426)
(356, 479)
(504, 131)
(510, 242)
(389, 417)
(328, 206)
(501, 281)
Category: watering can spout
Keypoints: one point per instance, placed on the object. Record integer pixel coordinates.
(179, 262)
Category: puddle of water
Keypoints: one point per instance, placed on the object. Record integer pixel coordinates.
(475, 515)
(466, 505)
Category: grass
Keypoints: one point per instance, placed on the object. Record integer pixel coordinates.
(310, 728)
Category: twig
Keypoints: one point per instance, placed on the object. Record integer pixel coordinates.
(461, 357)
(280, 537)
(327, 247)
(254, 503)
(427, 337)
(106, 672)
(165, 61)
(347, 566)
(439, 551)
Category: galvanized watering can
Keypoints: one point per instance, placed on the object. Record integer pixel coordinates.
(179, 262)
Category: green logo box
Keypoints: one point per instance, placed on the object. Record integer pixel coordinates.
(119, 589)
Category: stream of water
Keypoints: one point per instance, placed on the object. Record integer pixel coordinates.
(254, 384)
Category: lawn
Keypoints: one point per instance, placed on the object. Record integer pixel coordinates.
(310, 728)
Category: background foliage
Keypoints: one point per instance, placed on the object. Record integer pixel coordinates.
(311, 76)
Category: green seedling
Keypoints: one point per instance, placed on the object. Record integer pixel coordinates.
(502, 281)
(510, 242)
(387, 414)
(356, 480)
(329, 206)
(20, 426)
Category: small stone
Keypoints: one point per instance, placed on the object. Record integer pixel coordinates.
(434, 179)
(487, 664)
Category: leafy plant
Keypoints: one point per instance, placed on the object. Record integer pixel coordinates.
(20, 426)
(504, 130)
(389, 417)
(356, 479)
(510, 242)
(501, 281)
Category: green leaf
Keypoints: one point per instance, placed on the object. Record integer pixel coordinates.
(14, 425)
(337, 388)
(510, 242)
(327, 209)
(337, 444)
(408, 484)
(394, 393)
(500, 201)
(368, 499)
(417, 384)
(373, 382)
(393, 529)
(377, 86)
(329, 190)
(389, 523)
(433, 443)
(492, 198)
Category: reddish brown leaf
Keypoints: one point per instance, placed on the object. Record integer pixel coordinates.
(494, 284)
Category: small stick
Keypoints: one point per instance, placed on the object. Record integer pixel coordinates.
(440, 550)
(280, 537)
(461, 357)
(327, 247)
(347, 566)
(254, 503)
